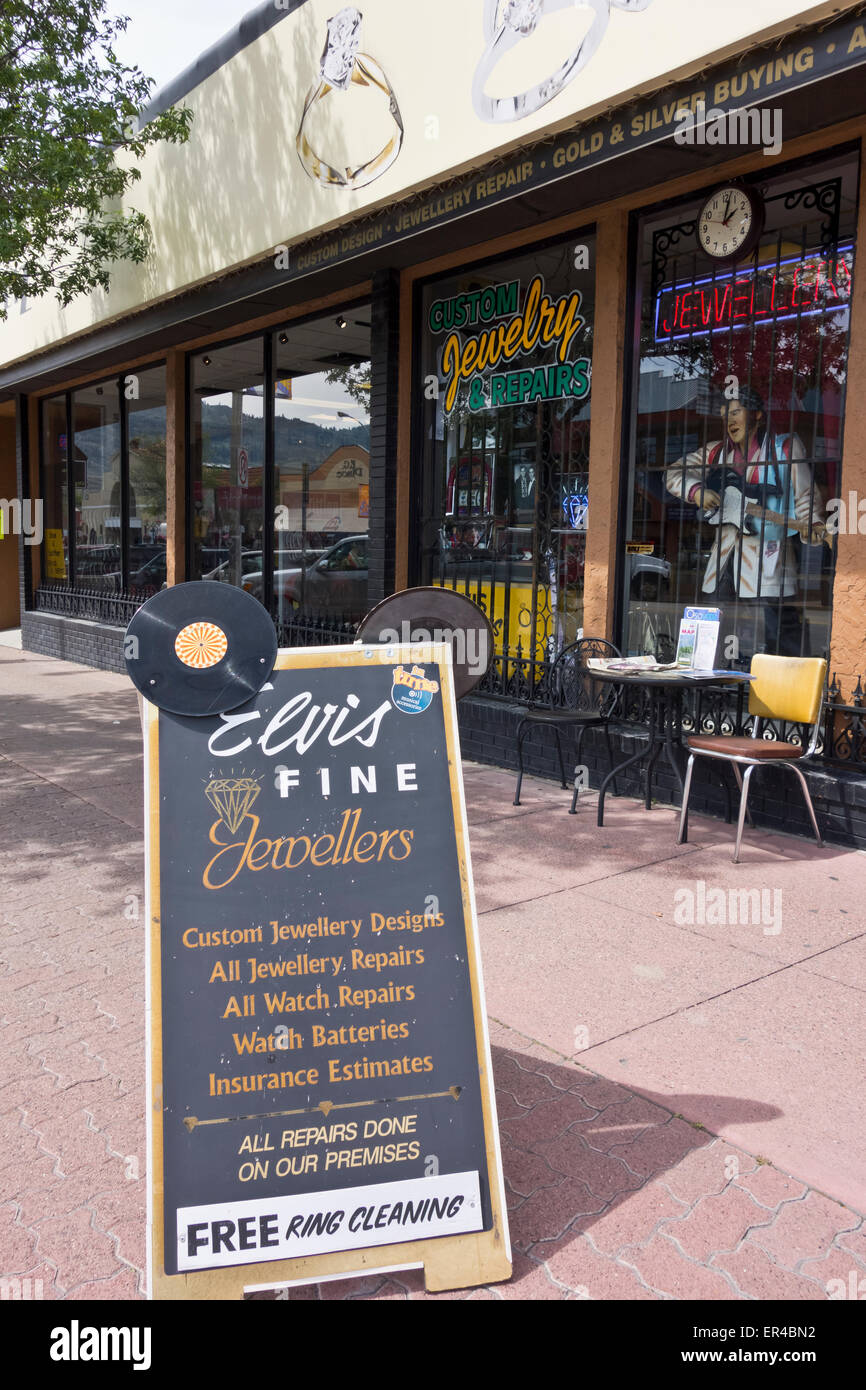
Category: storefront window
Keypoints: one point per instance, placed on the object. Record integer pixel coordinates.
(322, 467)
(96, 473)
(506, 372)
(116, 470)
(228, 456)
(55, 549)
(147, 519)
(735, 441)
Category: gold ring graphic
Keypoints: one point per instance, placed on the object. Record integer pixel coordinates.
(343, 65)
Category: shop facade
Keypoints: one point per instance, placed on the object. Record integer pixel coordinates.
(531, 381)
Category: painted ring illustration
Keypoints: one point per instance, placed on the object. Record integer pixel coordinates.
(342, 66)
(508, 23)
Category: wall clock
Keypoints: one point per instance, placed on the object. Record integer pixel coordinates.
(730, 223)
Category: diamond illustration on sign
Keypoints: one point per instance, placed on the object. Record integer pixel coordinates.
(522, 15)
(344, 40)
(201, 645)
(231, 798)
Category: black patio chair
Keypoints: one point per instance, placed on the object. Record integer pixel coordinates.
(576, 700)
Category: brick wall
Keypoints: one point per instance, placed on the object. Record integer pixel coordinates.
(488, 734)
(74, 639)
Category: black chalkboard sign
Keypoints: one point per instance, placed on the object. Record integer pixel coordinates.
(321, 1092)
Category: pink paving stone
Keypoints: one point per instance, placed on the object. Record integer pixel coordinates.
(45, 1101)
(126, 1138)
(26, 1029)
(839, 1265)
(754, 1070)
(336, 1289)
(758, 1276)
(663, 1268)
(49, 1195)
(705, 1170)
(596, 1091)
(855, 1241)
(390, 1291)
(17, 1243)
(529, 1280)
(526, 1172)
(574, 1262)
(16, 1156)
(77, 1147)
(527, 1087)
(603, 1175)
(623, 1124)
(45, 1274)
(549, 1212)
(632, 1219)
(131, 1238)
(659, 1149)
(507, 1108)
(11, 1130)
(718, 1222)
(122, 1204)
(546, 1120)
(770, 1187)
(72, 1064)
(804, 1230)
(80, 1252)
(123, 1287)
(16, 1061)
(16, 1180)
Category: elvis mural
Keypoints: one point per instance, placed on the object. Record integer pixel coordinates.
(756, 489)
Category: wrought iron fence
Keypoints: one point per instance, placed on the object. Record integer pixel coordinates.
(331, 631)
(524, 679)
(519, 678)
(111, 606)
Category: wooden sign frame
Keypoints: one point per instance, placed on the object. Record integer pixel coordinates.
(449, 1261)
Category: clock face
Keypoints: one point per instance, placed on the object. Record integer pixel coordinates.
(728, 223)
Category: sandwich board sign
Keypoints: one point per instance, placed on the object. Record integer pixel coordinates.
(321, 1099)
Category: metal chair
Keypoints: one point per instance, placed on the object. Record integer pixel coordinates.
(789, 688)
(576, 699)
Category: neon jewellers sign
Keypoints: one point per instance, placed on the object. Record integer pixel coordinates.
(789, 289)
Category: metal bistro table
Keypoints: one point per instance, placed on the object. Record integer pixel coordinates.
(666, 692)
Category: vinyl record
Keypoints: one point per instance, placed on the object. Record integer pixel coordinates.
(200, 648)
(428, 611)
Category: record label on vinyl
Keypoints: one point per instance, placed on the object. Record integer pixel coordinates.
(200, 648)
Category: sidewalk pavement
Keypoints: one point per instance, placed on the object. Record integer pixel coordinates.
(678, 1071)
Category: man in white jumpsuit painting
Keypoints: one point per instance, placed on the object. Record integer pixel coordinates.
(756, 488)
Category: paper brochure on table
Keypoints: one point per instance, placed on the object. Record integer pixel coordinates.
(698, 639)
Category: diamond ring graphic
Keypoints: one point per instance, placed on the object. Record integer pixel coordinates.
(342, 66)
(507, 23)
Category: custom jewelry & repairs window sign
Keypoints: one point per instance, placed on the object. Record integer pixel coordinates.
(322, 1099)
(507, 364)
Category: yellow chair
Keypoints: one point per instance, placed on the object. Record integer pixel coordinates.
(788, 688)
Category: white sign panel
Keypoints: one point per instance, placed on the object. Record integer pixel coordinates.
(353, 1218)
